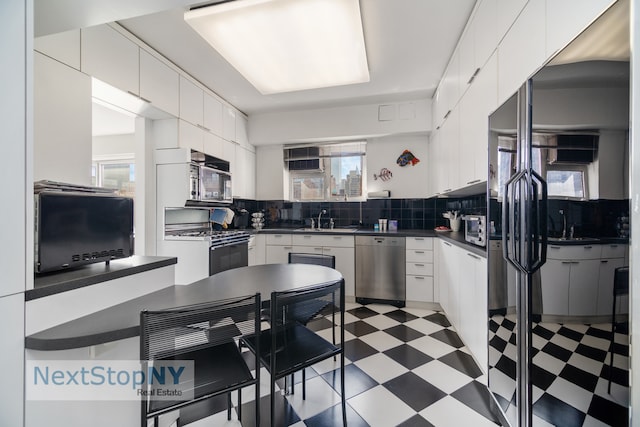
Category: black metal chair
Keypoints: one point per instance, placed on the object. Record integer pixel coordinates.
(207, 334)
(620, 288)
(317, 259)
(289, 346)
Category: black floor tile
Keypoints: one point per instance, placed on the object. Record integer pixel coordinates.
(333, 417)
(285, 415)
(557, 412)
(356, 381)
(414, 391)
(622, 349)
(404, 333)
(557, 351)
(543, 332)
(439, 319)
(502, 402)
(512, 339)
(591, 352)
(363, 312)
(493, 326)
(570, 333)
(599, 333)
(498, 343)
(408, 356)
(620, 376)
(401, 316)
(507, 366)
(356, 349)
(360, 328)
(416, 421)
(579, 377)
(449, 337)
(463, 362)
(320, 324)
(541, 378)
(506, 323)
(609, 412)
(476, 396)
(203, 409)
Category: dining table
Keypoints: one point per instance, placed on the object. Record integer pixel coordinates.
(122, 321)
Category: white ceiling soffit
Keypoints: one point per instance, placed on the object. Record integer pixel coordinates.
(108, 121)
(56, 16)
(408, 42)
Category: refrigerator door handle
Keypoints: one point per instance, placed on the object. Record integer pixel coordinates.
(539, 238)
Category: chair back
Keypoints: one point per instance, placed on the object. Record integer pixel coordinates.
(305, 304)
(621, 281)
(317, 259)
(205, 334)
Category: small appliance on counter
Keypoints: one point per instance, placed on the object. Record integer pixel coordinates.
(475, 229)
(75, 226)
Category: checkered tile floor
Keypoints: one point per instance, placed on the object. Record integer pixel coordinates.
(570, 374)
(404, 367)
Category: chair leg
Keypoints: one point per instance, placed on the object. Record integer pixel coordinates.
(304, 384)
(273, 401)
(239, 405)
(342, 394)
(229, 406)
(611, 343)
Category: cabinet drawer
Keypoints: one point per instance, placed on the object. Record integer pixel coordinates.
(279, 239)
(419, 243)
(419, 255)
(613, 250)
(306, 240)
(420, 268)
(419, 288)
(574, 252)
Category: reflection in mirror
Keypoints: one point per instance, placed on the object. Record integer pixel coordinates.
(580, 145)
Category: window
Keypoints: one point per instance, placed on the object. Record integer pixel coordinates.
(327, 172)
(566, 183)
(115, 174)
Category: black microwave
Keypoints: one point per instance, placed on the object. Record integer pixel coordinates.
(74, 229)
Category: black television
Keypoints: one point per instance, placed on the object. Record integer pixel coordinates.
(75, 229)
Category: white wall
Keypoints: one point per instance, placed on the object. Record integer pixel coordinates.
(62, 117)
(340, 123)
(407, 181)
(110, 145)
(16, 254)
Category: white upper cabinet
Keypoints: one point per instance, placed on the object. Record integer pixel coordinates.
(242, 136)
(567, 18)
(190, 136)
(467, 64)
(485, 33)
(522, 51)
(111, 57)
(191, 102)
(159, 84)
(212, 112)
(212, 144)
(63, 47)
(228, 123)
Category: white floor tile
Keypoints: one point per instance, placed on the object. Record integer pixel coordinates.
(381, 408)
(381, 308)
(589, 421)
(449, 412)
(570, 393)
(320, 396)
(381, 341)
(501, 384)
(564, 342)
(420, 312)
(381, 367)
(442, 376)
(548, 363)
(381, 321)
(423, 325)
(592, 341)
(585, 363)
(431, 346)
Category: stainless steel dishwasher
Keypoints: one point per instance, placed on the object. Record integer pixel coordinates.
(380, 270)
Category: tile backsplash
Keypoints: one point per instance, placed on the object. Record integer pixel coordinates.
(410, 213)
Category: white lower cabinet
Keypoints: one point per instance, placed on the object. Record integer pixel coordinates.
(462, 280)
(257, 250)
(419, 269)
(577, 280)
(341, 247)
(277, 249)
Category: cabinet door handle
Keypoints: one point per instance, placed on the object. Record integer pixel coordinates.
(448, 244)
(418, 238)
(588, 247)
(419, 265)
(604, 261)
(419, 252)
(317, 249)
(288, 247)
(326, 249)
(575, 262)
(419, 277)
(554, 247)
(473, 256)
(613, 246)
(306, 237)
(567, 262)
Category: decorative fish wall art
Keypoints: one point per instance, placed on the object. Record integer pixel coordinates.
(384, 174)
(406, 158)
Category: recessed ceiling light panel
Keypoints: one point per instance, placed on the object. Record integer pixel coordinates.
(287, 45)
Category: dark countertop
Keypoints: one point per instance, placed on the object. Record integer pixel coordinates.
(579, 240)
(122, 321)
(456, 238)
(92, 274)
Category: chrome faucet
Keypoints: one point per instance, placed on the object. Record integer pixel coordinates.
(322, 212)
(564, 224)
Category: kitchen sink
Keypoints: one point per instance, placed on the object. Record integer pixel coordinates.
(326, 230)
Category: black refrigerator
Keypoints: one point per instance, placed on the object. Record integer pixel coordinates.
(558, 202)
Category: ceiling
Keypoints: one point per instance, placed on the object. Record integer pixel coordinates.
(409, 43)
